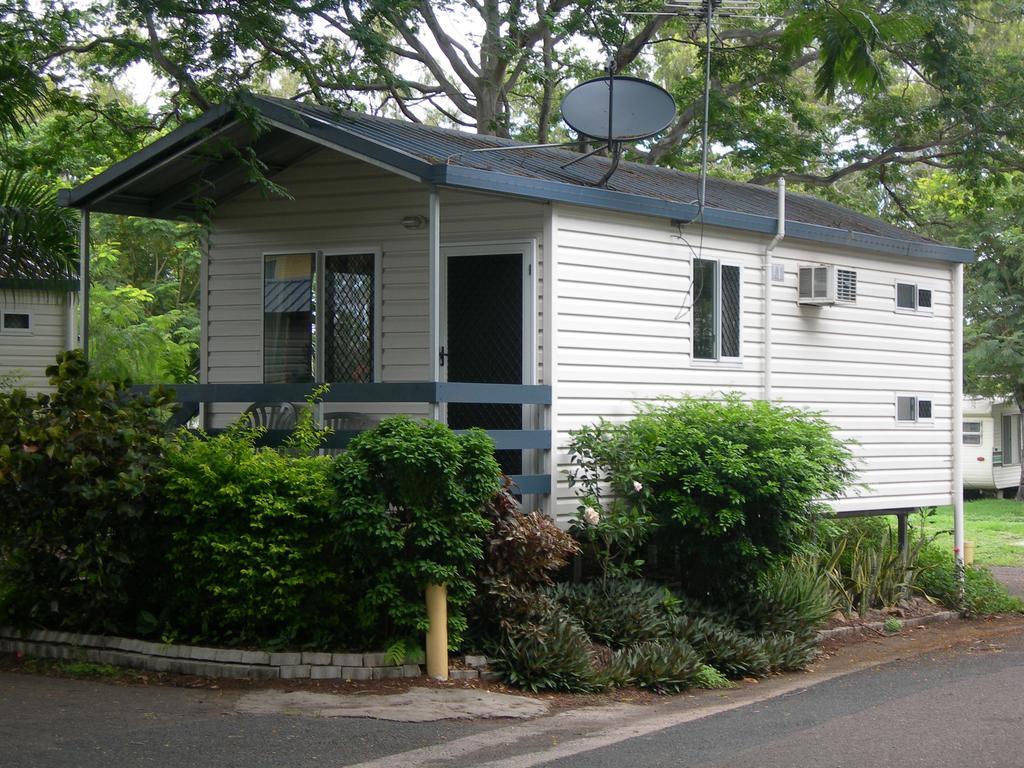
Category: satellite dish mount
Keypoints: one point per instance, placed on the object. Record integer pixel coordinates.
(615, 110)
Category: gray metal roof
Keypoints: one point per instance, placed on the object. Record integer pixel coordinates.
(444, 157)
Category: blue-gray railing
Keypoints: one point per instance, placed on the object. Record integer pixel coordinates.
(189, 396)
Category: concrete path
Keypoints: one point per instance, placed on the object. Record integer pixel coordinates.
(1012, 578)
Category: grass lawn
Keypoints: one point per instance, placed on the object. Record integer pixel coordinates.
(996, 526)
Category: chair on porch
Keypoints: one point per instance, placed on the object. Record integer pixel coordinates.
(347, 421)
(272, 416)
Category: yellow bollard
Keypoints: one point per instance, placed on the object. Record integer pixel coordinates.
(437, 635)
(968, 553)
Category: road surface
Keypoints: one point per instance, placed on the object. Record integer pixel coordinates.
(960, 706)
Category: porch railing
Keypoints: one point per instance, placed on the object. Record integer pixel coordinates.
(190, 396)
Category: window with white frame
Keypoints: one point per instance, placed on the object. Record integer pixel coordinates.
(319, 317)
(971, 433)
(1010, 441)
(717, 310)
(912, 409)
(16, 322)
(910, 297)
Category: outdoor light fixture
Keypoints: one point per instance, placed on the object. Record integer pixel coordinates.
(414, 222)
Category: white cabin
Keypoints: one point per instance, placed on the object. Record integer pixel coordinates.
(991, 446)
(407, 259)
(37, 322)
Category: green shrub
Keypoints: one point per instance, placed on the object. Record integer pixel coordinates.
(866, 566)
(710, 678)
(553, 654)
(252, 541)
(733, 487)
(659, 665)
(409, 512)
(789, 651)
(794, 597)
(618, 613)
(77, 476)
(723, 646)
(983, 594)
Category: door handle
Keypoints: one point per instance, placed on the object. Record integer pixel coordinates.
(442, 356)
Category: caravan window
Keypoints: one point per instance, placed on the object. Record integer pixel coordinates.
(972, 433)
(717, 310)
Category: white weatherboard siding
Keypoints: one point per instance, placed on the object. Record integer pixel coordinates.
(623, 334)
(26, 354)
(342, 203)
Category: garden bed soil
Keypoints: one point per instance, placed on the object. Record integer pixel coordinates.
(914, 608)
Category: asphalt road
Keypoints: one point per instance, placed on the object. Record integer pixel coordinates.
(962, 707)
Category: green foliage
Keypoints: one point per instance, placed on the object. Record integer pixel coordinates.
(733, 487)
(892, 625)
(77, 512)
(723, 646)
(522, 551)
(982, 595)
(38, 239)
(252, 543)
(128, 342)
(613, 533)
(617, 613)
(867, 570)
(796, 596)
(553, 654)
(710, 678)
(409, 512)
(660, 665)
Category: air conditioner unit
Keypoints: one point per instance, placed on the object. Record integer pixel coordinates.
(825, 285)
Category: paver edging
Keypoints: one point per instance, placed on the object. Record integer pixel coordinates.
(879, 626)
(213, 662)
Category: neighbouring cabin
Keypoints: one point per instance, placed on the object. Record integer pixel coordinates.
(991, 446)
(426, 271)
(37, 322)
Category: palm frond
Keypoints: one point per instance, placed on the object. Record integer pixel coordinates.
(38, 238)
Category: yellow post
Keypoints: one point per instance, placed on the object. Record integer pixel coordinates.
(968, 553)
(437, 635)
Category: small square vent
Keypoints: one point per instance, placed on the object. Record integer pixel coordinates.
(846, 285)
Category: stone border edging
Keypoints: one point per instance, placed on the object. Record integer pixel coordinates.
(218, 662)
(915, 621)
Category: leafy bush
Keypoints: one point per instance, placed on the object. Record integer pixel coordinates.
(660, 665)
(77, 474)
(522, 551)
(409, 512)
(723, 646)
(734, 487)
(252, 542)
(618, 613)
(983, 594)
(866, 566)
(552, 654)
(794, 597)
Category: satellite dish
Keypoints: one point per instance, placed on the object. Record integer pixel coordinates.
(616, 109)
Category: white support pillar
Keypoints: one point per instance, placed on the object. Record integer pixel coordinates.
(780, 232)
(958, 412)
(83, 282)
(434, 254)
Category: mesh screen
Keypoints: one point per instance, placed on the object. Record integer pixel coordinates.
(485, 340)
(731, 317)
(348, 325)
(704, 309)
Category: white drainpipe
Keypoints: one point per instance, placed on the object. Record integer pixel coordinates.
(769, 249)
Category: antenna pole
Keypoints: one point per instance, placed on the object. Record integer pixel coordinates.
(707, 110)
(610, 66)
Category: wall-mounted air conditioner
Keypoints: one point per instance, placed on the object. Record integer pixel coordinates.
(825, 284)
